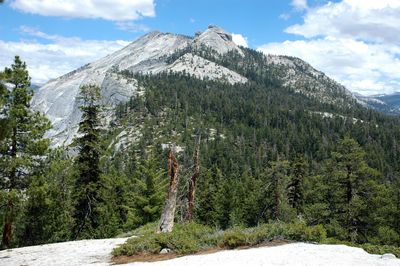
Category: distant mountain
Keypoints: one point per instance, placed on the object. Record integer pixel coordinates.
(385, 103)
(206, 56)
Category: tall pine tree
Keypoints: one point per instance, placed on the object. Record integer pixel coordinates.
(87, 183)
(296, 183)
(23, 145)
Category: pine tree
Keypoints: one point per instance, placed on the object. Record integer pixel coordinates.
(47, 215)
(276, 182)
(150, 185)
(87, 183)
(355, 186)
(295, 187)
(22, 149)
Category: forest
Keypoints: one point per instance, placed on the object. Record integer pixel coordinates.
(264, 154)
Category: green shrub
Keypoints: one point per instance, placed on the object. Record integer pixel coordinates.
(138, 245)
(316, 233)
(378, 249)
(388, 236)
(184, 239)
(234, 237)
(190, 238)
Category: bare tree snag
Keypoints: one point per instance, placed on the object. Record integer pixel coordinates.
(167, 217)
(192, 183)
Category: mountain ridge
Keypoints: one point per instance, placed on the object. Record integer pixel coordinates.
(202, 56)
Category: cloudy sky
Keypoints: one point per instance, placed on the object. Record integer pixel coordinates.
(356, 42)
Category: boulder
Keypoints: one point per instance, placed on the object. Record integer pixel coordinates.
(165, 251)
(387, 256)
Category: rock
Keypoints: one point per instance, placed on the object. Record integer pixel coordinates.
(165, 251)
(388, 256)
(58, 99)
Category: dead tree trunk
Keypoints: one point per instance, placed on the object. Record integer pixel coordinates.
(192, 183)
(167, 217)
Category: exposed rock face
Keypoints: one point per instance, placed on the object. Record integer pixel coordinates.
(202, 68)
(217, 39)
(306, 80)
(150, 54)
(58, 98)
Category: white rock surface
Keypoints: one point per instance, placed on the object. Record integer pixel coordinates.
(97, 252)
(74, 253)
(306, 80)
(217, 39)
(298, 254)
(58, 98)
(202, 68)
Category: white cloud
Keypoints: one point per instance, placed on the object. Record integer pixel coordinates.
(116, 10)
(239, 39)
(361, 67)
(354, 41)
(61, 55)
(369, 20)
(284, 16)
(300, 4)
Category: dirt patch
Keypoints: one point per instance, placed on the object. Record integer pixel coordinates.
(148, 257)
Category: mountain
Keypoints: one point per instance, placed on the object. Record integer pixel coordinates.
(277, 140)
(385, 103)
(201, 56)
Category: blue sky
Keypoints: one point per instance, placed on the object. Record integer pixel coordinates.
(260, 21)
(354, 41)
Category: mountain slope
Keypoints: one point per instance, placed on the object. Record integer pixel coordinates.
(205, 56)
(386, 103)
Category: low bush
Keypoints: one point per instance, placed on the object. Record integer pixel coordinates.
(234, 237)
(185, 239)
(190, 238)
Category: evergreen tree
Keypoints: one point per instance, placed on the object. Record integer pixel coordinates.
(354, 186)
(47, 215)
(295, 188)
(150, 186)
(87, 163)
(276, 181)
(114, 208)
(22, 149)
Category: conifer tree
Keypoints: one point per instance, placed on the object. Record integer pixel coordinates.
(150, 185)
(355, 184)
(277, 179)
(87, 163)
(23, 145)
(47, 216)
(295, 187)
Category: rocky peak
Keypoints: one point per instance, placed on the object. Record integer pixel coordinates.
(217, 39)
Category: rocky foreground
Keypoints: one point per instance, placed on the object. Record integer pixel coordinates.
(97, 252)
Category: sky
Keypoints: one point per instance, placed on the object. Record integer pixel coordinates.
(356, 42)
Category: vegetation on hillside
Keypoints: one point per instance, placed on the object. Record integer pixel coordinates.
(269, 158)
